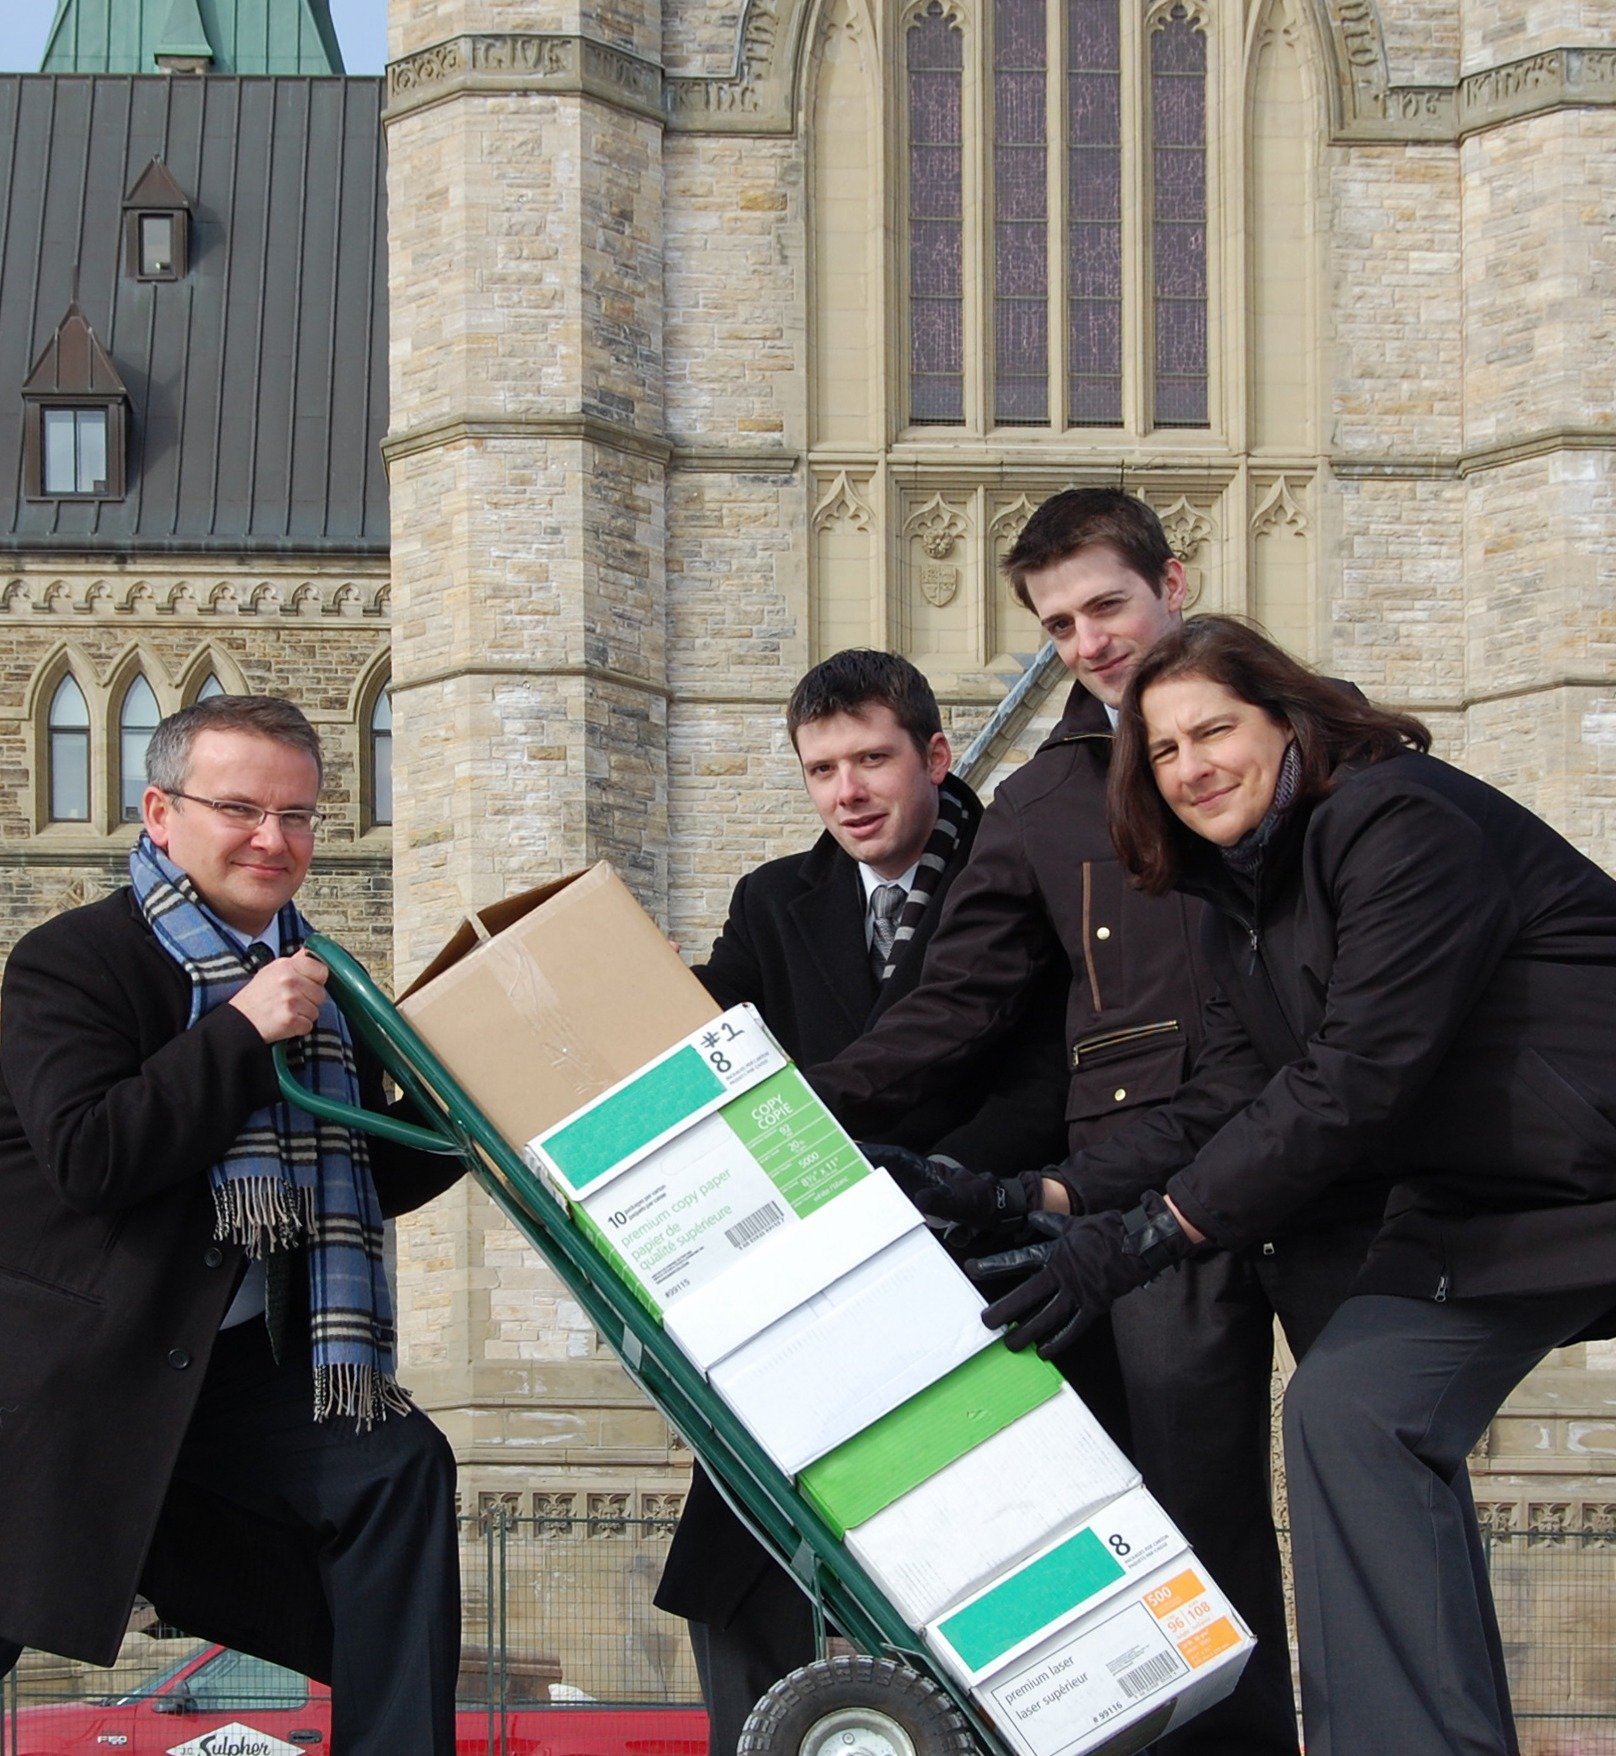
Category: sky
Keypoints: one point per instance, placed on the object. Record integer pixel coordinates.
(361, 29)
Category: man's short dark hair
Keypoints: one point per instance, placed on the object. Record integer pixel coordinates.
(168, 755)
(1083, 518)
(860, 678)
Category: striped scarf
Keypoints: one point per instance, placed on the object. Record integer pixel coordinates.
(940, 851)
(289, 1180)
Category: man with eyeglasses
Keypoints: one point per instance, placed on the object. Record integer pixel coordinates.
(198, 1397)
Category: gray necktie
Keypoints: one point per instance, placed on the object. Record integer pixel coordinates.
(886, 905)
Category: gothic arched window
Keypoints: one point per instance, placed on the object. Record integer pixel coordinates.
(137, 720)
(1055, 178)
(69, 733)
(211, 686)
(381, 759)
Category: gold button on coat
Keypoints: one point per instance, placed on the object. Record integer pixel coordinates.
(1120, 1093)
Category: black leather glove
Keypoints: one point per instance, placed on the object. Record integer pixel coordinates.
(1087, 1264)
(945, 1191)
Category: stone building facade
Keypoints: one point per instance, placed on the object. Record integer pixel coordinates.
(708, 351)
(658, 270)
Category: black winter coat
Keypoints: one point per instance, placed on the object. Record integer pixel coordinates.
(1042, 899)
(1419, 996)
(112, 1288)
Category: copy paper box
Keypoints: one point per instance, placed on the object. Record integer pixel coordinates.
(992, 1507)
(788, 1266)
(1068, 1577)
(920, 1437)
(552, 997)
(720, 1186)
(852, 1353)
(1116, 1679)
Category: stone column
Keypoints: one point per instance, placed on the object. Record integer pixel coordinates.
(1539, 457)
(526, 461)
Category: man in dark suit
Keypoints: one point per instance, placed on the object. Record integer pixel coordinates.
(197, 1391)
(822, 943)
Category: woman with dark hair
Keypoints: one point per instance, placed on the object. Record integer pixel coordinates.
(1417, 987)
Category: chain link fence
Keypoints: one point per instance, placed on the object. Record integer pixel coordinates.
(564, 1649)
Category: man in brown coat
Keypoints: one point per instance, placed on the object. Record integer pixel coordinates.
(1042, 890)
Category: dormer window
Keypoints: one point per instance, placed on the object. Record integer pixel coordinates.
(75, 418)
(157, 246)
(75, 451)
(156, 226)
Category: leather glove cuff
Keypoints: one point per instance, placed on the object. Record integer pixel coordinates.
(1152, 1233)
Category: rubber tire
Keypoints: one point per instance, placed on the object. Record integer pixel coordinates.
(792, 1719)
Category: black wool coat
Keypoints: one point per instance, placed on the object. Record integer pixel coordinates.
(793, 946)
(1419, 995)
(112, 1288)
(1041, 900)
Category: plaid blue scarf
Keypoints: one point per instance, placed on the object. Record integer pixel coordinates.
(289, 1179)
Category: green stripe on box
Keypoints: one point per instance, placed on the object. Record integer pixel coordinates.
(616, 1261)
(939, 1424)
(587, 1147)
(1040, 1593)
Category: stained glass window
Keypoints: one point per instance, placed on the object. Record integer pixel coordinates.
(1094, 212)
(1020, 215)
(936, 65)
(1089, 116)
(1178, 242)
(69, 726)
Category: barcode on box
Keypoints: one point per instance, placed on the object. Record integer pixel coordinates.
(1147, 1678)
(755, 1225)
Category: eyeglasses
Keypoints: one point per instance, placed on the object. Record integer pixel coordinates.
(240, 815)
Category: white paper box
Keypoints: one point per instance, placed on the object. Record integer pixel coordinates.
(789, 1266)
(979, 1516)
(1171, 1638)
(853, 1352)
(1067, 1576)
(716, 1151)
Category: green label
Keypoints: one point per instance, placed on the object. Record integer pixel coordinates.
(869, 1472)
(1041, 1593)
(796, 1141)
(607, 1132)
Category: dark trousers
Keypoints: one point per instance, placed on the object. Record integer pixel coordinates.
(1197, 1353)
(1399, 1641)
(770, 1635)
(379, 1504)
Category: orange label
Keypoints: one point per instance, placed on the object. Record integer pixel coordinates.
(1205, 1644)
(1169, 1595)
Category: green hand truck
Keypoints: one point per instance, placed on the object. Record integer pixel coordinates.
(889, 1699)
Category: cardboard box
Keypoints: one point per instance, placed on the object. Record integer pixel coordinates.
(1118, 1678)
(543, 1001)
(852, 1353)
(992, 1507)
(720, 1186)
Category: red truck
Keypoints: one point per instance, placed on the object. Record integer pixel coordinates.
(216, 1702)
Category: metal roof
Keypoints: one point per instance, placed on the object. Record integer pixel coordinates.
(257, 384)
(241, 36)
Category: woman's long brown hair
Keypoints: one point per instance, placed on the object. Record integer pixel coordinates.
(1331, 725)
